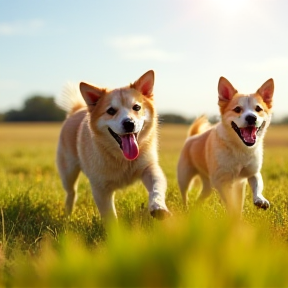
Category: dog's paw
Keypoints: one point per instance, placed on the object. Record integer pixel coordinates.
(158, 208)
(160, 213)
(261, 203)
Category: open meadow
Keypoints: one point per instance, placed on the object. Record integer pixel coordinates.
(39, 247)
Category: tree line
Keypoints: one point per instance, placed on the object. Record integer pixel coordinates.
(39, 108)
(36, 108)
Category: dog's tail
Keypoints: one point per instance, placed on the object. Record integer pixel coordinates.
(70, 100)
(200, 125)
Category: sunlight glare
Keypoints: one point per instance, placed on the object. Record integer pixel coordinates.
(229, 5)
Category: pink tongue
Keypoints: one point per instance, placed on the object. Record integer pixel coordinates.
(130, 146)
(249, 134)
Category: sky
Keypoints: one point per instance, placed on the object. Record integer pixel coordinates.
(109, 43)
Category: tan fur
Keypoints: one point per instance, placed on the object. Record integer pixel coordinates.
(218, 155)
(199, 126)
(86, 144)
(75, 109)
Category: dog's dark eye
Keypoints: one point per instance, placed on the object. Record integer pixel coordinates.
(136, 107)
(111, 111)
(258, 109)
(237, 109)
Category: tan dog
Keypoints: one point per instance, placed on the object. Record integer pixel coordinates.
(228, 154)
(112, 137)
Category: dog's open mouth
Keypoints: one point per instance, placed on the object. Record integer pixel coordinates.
(248, 134)
(128, 143)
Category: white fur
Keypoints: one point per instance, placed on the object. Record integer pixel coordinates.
(70, 97)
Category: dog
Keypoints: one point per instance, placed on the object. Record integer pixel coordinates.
(225, 155)
(111, 135)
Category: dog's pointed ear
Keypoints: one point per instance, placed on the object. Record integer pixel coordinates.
(90, 94)
(266, 91)
(225, 90)
(145, 84)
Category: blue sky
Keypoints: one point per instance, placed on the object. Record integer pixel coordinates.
(110, 43)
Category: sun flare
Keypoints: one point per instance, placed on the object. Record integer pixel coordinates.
(229, 5)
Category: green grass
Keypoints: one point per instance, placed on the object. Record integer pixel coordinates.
(39, 247)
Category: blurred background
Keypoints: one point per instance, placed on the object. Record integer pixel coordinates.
(188, 43)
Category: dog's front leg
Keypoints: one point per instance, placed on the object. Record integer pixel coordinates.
(104, 199)
(156, 184)
(229, 200)
(231, 191)
(256, 184)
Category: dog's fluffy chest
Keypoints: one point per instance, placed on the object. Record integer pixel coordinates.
(241, 164)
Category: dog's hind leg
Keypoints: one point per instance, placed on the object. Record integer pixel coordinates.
(69, 170)
(70, 184)
(185, 173)
(206, 190)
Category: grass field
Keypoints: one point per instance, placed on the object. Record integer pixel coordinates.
(39, 247)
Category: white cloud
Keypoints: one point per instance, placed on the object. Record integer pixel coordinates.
(21, 27)
(141, 47)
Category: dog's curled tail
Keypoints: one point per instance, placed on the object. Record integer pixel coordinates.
(70, 100)
(200, 125)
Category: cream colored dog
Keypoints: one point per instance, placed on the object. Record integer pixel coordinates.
(228, 154)
(112, 137)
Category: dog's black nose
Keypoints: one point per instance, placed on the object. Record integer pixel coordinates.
(128, 125)
(251, 119)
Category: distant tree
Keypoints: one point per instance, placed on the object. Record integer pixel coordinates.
(37, 108)
(284, 120)
(174, 118)
(179, 119)
(13, 115)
